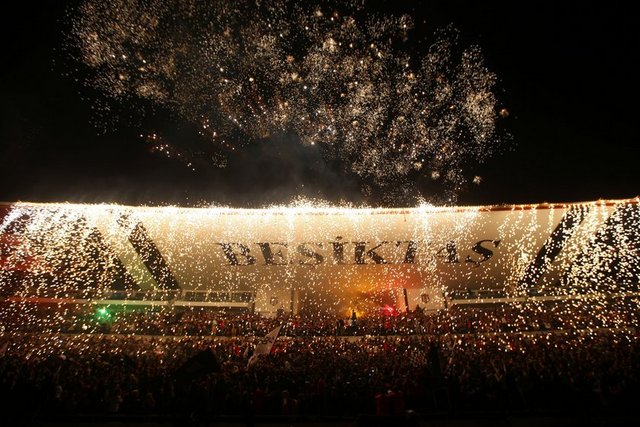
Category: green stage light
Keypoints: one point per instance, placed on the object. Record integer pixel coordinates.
(103, 314)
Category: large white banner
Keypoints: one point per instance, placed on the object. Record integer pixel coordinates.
(333, 256)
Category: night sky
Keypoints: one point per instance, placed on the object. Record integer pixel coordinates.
(566, 71)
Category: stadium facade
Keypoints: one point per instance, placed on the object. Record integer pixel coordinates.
(294, 259)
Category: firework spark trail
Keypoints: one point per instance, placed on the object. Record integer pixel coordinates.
(335, 75)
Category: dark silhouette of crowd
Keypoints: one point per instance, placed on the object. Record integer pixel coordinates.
(524, 357)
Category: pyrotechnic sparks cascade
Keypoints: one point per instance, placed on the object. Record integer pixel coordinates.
(322, 259)
(354, 83)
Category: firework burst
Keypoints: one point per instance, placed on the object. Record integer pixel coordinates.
(333, 74)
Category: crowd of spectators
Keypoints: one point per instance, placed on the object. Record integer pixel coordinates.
(500, 358)
(616, 313)
(73, 374)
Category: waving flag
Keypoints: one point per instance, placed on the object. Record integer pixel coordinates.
(264, 346)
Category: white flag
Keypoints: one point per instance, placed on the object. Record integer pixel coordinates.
(264, 345)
